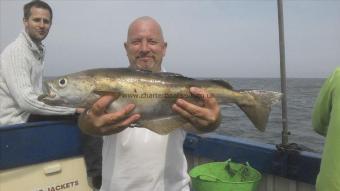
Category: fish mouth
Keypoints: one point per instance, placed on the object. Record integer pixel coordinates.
(48, 94)
(42, 97)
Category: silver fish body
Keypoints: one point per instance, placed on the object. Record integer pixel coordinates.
(153, 94)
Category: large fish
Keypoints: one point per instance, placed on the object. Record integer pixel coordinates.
(153, 94)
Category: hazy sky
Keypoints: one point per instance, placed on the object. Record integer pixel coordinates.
(205, 38)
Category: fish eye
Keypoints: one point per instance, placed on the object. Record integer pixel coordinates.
(62, 82)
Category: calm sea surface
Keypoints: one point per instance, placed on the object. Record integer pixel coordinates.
(301, 94)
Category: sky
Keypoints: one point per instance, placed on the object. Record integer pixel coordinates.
(230, 38)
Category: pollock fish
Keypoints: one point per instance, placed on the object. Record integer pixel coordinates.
(153, 94)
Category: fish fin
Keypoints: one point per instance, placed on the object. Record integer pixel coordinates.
(258, 113)
(165, 74)
(170, 74)
(102, 93)
(164, 126)
(162, 74)
(222, 83)
(143, 70)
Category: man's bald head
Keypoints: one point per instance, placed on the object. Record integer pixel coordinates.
(145, 19)
(145, 46)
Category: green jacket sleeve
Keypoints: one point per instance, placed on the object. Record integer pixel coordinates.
(328, 98)
(326, 121)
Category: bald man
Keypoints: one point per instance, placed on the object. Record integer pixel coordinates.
(137, 158)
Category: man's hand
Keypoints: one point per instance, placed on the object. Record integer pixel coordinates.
(204, 118)
(97, 121)
(80, 110)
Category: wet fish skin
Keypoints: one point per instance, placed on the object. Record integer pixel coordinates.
(153, 94)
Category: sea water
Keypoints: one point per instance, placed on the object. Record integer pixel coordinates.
(301, 95)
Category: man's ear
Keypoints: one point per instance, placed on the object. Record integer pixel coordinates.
(25, 21)
(126, 48)
(164, 48)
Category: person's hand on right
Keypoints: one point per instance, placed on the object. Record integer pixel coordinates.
(97, 121)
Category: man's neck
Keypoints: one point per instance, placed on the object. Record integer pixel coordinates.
(37, 42)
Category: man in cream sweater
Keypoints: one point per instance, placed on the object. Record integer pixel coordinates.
(21, 68)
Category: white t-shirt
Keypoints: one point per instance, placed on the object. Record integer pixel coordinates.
(138, 159)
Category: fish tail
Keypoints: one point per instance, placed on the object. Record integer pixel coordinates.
(258, 112)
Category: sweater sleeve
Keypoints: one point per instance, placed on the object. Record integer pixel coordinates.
(16, 71)
(329, 124)
(326, 101)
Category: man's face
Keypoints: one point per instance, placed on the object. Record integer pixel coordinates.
(145, 46)
(38, 24)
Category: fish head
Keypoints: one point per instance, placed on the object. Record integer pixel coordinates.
(75, 90)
